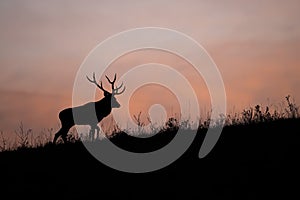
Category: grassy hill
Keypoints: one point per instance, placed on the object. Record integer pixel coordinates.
(250, 161)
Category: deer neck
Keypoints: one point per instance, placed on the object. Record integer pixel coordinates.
(104, 105)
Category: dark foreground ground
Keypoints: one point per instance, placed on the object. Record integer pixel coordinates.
(258, 161)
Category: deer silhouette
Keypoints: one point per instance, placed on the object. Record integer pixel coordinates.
(90, 113)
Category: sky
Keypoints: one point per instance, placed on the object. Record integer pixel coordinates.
(255, 45)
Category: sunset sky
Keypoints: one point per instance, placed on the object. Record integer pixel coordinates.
(255, 45)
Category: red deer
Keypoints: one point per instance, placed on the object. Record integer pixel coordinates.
(90, 113)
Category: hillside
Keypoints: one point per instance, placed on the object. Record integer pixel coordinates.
(254, 161)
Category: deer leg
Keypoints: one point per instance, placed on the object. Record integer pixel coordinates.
(64, 137)
(62, 132)
(98, 132)
(56, 136)
(92, 134)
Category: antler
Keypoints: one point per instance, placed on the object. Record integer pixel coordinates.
(95, 82)
(115, 91)
(112, 82)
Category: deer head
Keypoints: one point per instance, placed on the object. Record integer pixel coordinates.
(114, 91)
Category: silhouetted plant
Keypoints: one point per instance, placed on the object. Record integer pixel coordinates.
(260, 115)
(292, 109)
(3, 144)
(72, 138)
(257, 116)
(172, 123)
(185, 124)
(153, 127)
(221, 120)
(44, 137)
(139, 122)
(247, 115)
(115, 129)
(267, 114)
(23, 136)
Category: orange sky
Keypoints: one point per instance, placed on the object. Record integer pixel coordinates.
(255, 44)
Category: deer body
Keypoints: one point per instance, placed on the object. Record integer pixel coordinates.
(90, 113)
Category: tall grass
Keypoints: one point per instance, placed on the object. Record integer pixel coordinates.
(26, 138)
